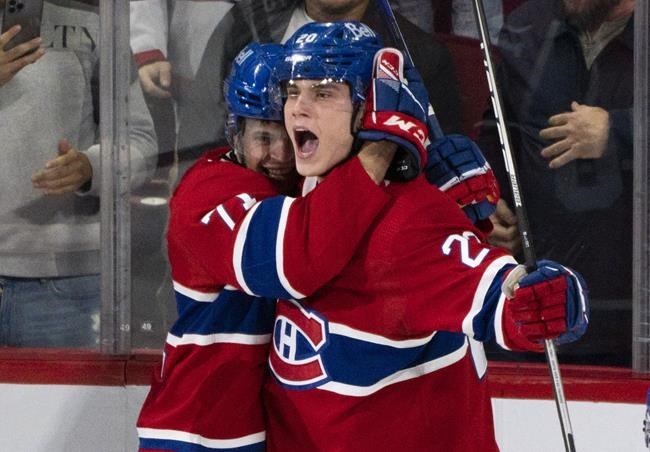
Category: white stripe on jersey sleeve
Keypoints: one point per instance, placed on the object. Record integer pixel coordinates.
(218, 338)
(195, 295)
(238, 251)
(498, 324)
(478, 357)
(279, 249)
(481, 291)
(193, 438)
(344, 330)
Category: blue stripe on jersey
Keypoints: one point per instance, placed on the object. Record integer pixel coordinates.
(231, 312)
(483, 322)
(360, 363)
(181, 446)
(258, 264)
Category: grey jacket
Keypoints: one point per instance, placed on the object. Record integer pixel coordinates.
(54, 98)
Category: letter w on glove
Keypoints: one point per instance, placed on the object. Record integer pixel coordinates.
(548, 303)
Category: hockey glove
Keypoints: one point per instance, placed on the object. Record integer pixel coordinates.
(548, 303)
(396, 110)
(456, 165)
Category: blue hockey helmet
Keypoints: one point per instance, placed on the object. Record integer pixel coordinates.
(341, 51)
(252, 90)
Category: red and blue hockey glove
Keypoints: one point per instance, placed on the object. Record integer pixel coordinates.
(456, 165)
(548, 303)
(396, 110)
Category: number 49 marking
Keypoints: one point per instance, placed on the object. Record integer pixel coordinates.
(463, 240)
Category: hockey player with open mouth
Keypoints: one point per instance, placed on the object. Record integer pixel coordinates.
(206, 395)
(387, 355)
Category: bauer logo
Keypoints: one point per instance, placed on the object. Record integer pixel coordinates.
(298, 58)
(299, 337)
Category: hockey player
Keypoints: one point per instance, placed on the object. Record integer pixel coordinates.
(388, 354)
(206, 396)
(221, 335)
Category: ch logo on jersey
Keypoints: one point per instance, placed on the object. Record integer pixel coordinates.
(299, 337)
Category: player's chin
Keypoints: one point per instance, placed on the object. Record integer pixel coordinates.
(308, 167)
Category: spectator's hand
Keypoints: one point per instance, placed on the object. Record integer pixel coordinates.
(456, 165)
(12, 61)
(396, 111)
(581, 133)
(65, 173)
(505, 232)
(156, 78)
(548, 303)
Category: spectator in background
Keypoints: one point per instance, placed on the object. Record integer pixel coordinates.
(201, 122)
(567, 82)
(464, 23)
(418, 12)
(168, 38)
(457, 17)
(49, 220)
(166, 33)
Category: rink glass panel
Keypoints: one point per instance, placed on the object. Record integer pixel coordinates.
(149, 301)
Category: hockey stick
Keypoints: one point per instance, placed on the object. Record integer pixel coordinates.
(396, 33)
(524, 227)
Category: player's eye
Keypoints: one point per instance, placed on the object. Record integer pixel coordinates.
(323, 94)
(291, 90)
(263, 139)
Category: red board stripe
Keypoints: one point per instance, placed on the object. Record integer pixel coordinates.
(507, 380)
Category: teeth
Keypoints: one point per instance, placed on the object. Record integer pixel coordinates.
(278, 173)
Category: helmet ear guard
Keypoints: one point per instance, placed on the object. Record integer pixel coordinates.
(234, 127)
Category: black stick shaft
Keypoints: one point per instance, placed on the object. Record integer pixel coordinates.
(398, 37)
(520, 211)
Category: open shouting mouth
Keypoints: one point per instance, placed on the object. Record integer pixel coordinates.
(306, 142)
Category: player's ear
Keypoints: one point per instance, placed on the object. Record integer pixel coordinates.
(237, 144)
(358, 112)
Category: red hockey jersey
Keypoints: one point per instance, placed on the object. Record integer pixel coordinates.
(206, 396)
(388, 355)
